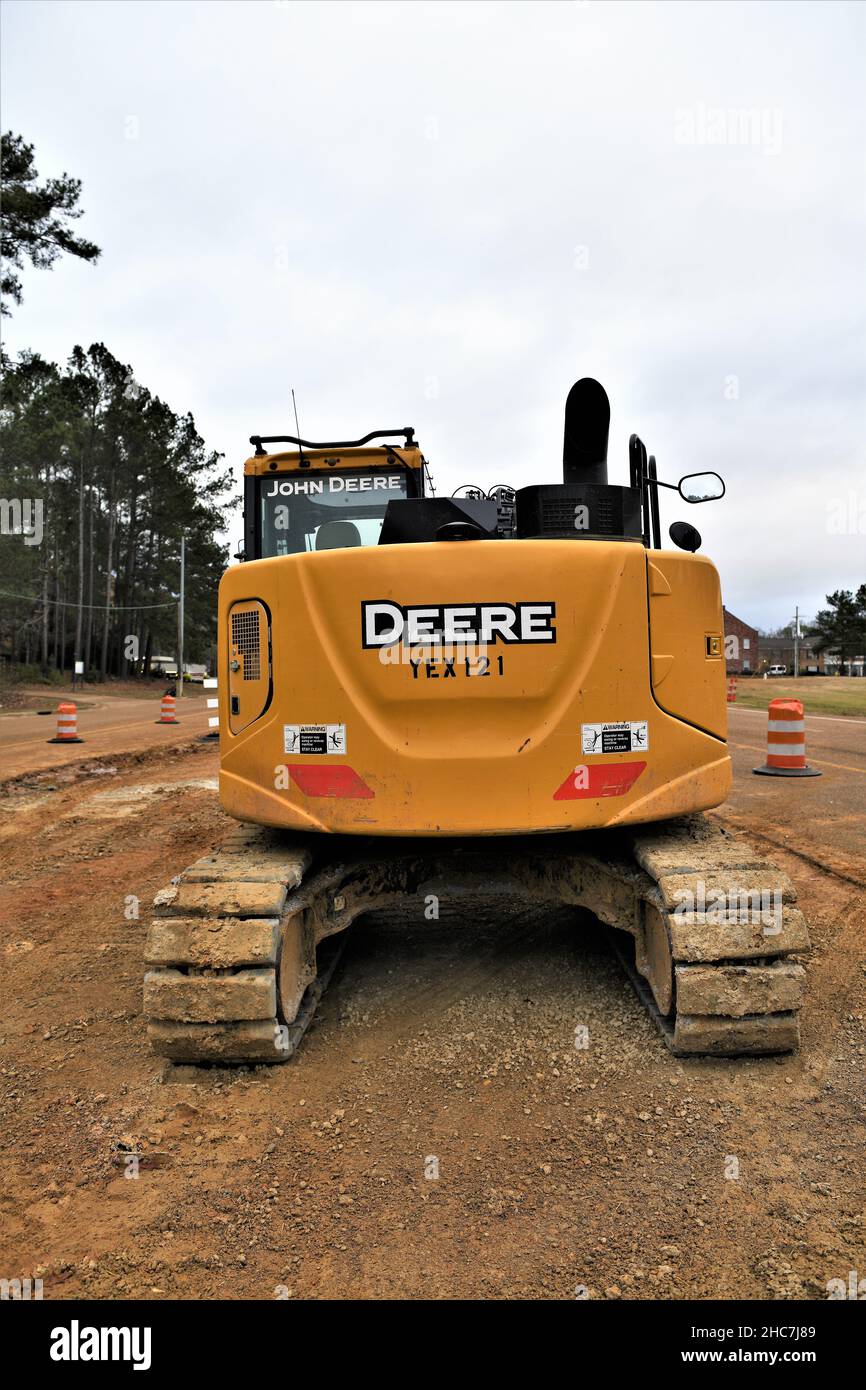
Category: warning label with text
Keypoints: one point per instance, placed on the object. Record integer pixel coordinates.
(621, 736)
(314, 738)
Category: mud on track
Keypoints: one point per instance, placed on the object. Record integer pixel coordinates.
(558, 1168)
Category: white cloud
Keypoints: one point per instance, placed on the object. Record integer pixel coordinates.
(443, 214)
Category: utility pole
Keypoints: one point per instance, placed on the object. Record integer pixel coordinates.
(180, 614)
(797, 641)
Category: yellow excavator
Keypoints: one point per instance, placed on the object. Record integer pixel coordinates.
(470, 704)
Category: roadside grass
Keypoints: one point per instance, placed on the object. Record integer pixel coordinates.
(840, 695)
(37, 704)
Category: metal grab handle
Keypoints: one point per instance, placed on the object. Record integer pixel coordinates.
(408, 433)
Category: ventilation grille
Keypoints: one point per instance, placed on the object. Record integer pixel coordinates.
(558, 517)
(245, 638)
(604, 517)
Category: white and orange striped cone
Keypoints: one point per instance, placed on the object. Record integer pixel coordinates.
(166, 713)
(732, 690)
(67, 725)
(786, 742)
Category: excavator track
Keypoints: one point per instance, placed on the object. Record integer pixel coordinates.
(213, 955)
(245, 942)
(712, 952)
(247, 938)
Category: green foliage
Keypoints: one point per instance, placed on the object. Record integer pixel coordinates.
(120, 477)
(35, 217)
(841, 628)
(30, 675)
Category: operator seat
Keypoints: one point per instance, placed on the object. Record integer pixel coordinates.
(337, 535)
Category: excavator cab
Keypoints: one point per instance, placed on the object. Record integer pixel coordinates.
(325, 496)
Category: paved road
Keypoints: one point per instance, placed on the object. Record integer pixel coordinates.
(825, 814)
(112, 725)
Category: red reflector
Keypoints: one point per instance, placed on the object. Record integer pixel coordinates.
(332, 779)
(598, 779)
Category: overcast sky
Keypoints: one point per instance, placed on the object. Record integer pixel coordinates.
(443, 214)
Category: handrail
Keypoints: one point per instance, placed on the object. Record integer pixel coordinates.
(408, 433)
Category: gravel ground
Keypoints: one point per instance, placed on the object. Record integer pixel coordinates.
(439, 1134)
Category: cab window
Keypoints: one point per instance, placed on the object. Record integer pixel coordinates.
(325, 511)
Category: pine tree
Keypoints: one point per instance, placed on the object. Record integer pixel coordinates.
(35, 217)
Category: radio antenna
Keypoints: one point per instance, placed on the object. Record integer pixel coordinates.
(298, 428)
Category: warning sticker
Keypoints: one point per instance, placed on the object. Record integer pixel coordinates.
(623, 736)
(314, 738)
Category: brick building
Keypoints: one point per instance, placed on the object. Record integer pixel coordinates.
(742, 653)
(779, 651)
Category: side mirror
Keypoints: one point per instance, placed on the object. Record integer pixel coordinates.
(685, 536)
(701, 487)
(240, 554)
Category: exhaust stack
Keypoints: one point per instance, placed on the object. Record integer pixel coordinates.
(587, 423)
(584, 506)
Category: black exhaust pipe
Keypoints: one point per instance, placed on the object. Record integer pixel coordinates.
(587, 423)
(584, 506)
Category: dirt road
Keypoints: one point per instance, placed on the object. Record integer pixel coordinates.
(108, 724)
(438, 1135)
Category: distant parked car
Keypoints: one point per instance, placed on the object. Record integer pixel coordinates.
(167, 666)
(778, 671)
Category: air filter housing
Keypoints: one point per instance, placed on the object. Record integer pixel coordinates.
(580, 511)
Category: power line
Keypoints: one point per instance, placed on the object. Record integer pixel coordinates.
(97, 607)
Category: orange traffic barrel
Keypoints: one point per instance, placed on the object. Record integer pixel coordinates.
(732, 690)
(67, 725)
(166, 713)
(786, 742)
